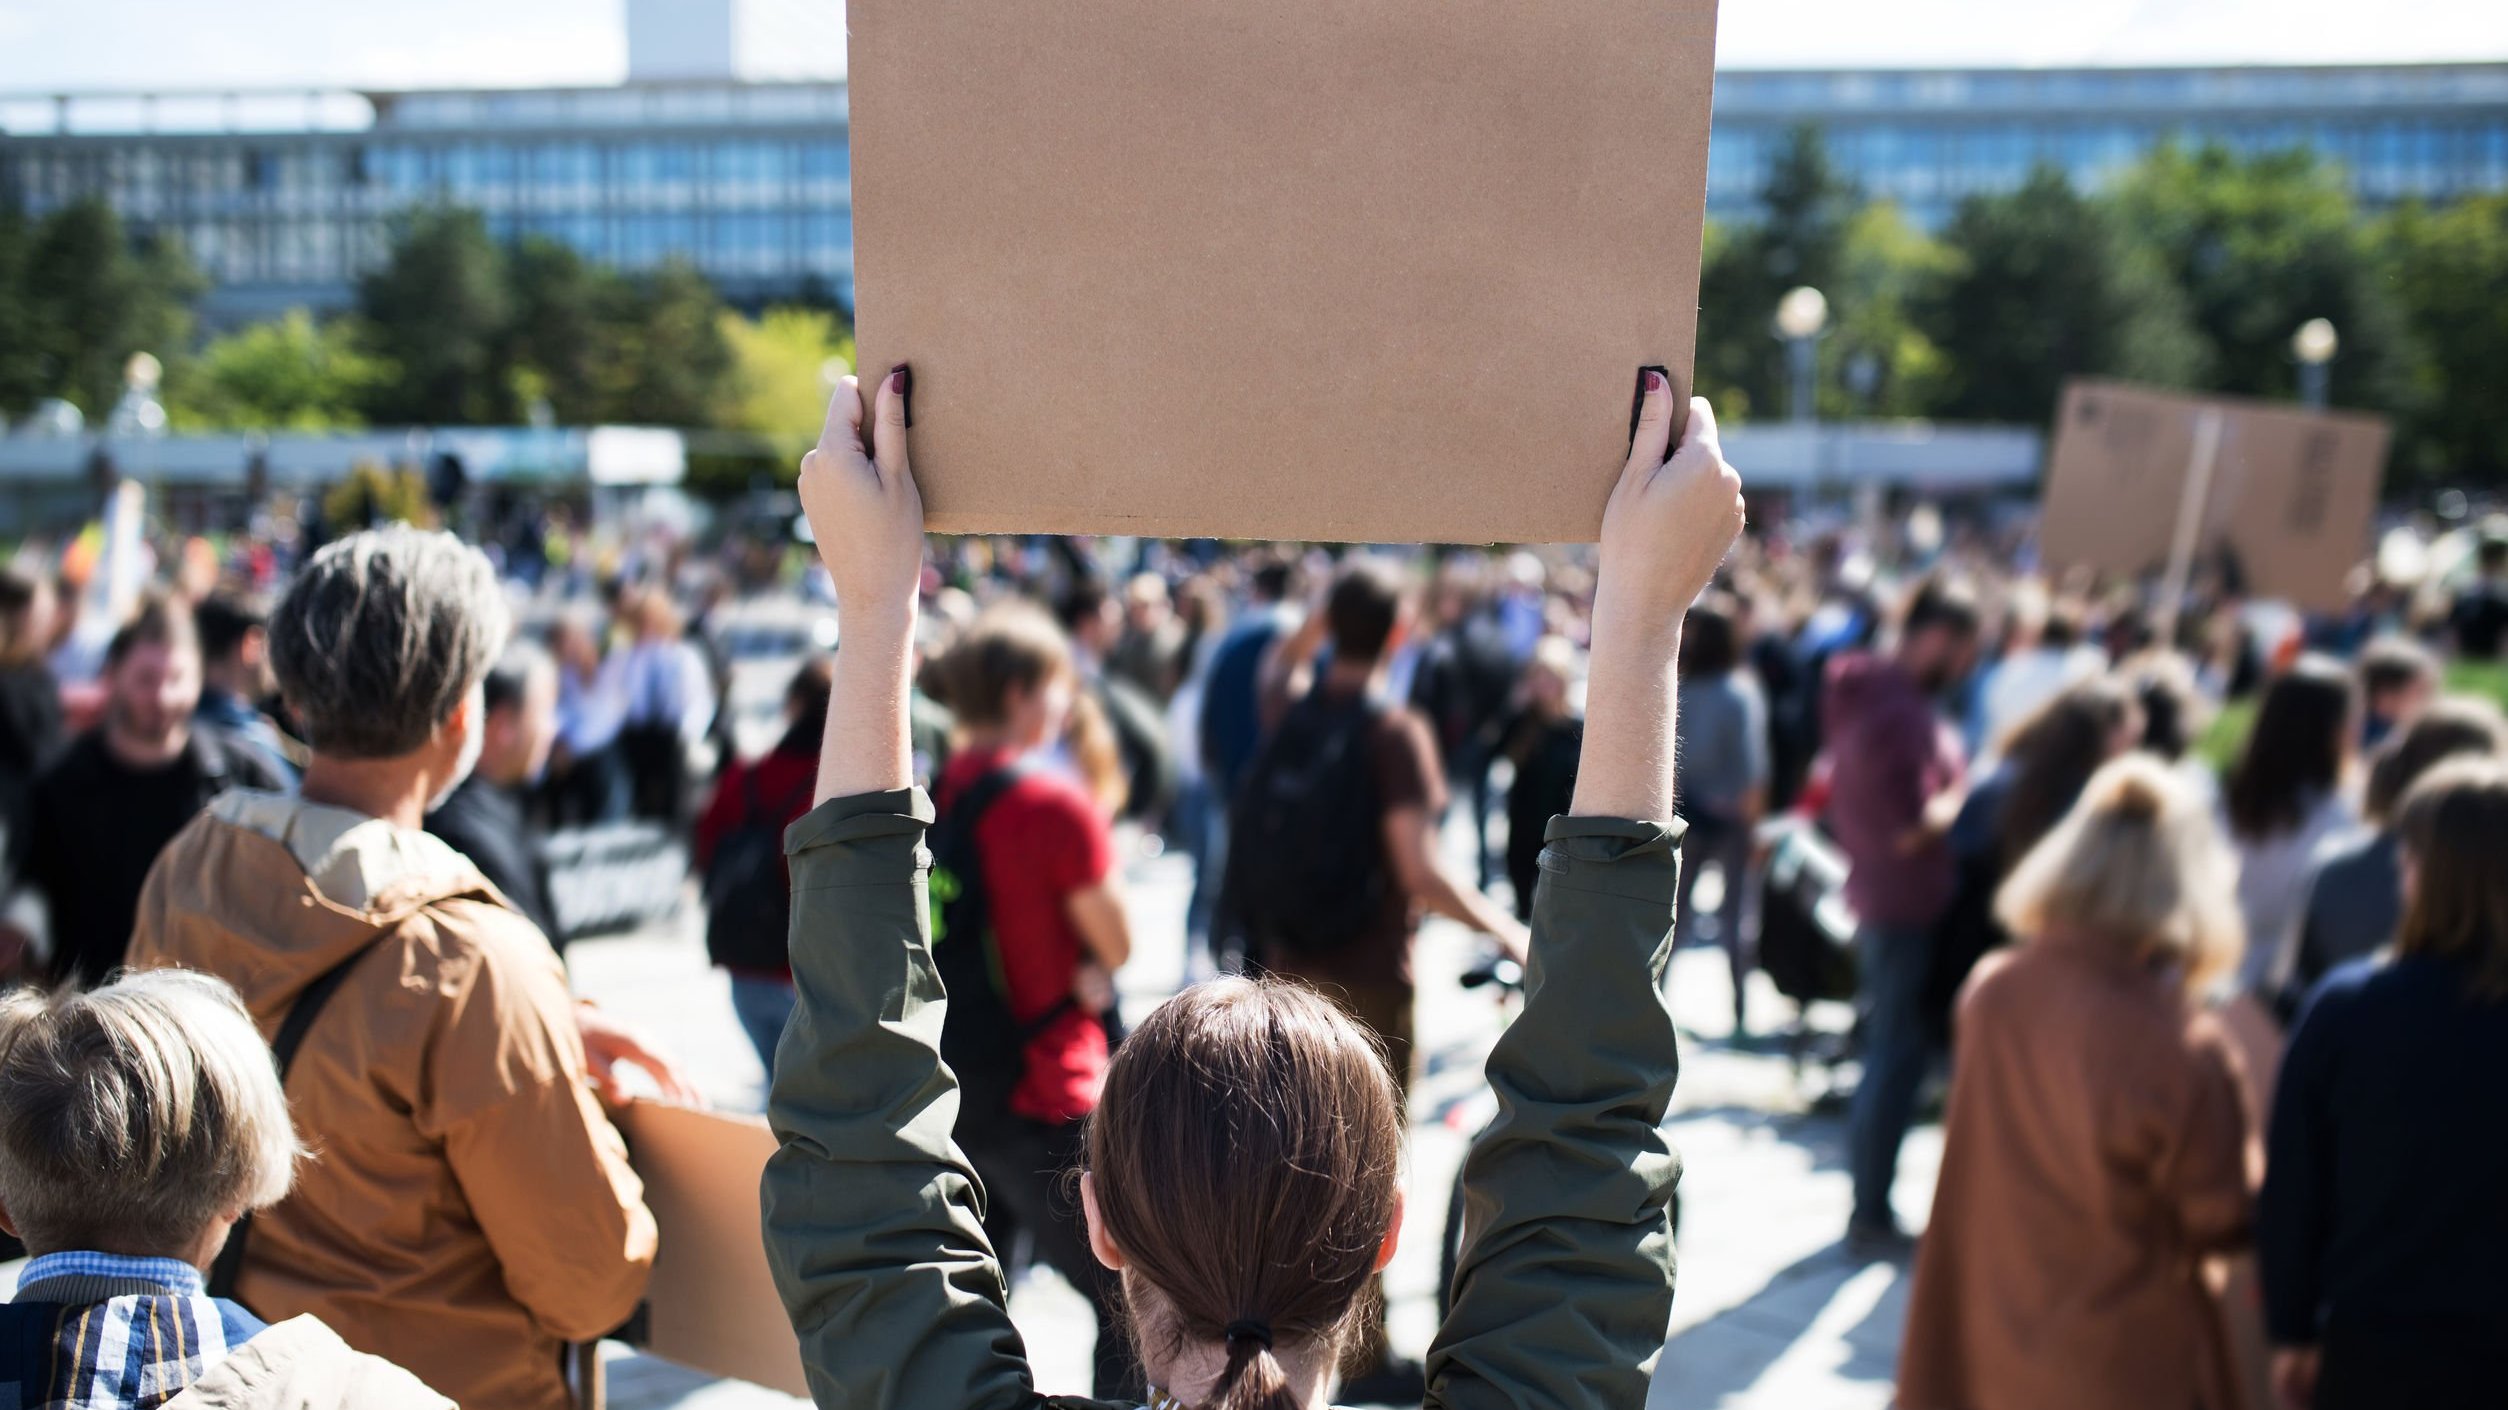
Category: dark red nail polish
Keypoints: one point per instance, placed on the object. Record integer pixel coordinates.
(1654, 381)
(903, 380)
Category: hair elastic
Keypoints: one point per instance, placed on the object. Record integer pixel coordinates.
(1249, 1330)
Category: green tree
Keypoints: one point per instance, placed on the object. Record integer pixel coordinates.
(1878, 359)
(561, 343)
(2043, 285)
(293, 374)
(2447, 268)
(91, 298)
(780, 363)
(440, 312)
(1809, 212)
(671, 362)
(2260, 245)
(22, 379)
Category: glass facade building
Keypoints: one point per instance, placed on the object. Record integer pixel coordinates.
(750, 182)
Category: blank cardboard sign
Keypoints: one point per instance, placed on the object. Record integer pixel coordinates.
(712, 1304)
(1372, 270)
(2293, 494)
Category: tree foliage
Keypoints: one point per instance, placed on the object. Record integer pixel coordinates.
(2447, 270)
(81, 296)
(292, 374)
(440, 311)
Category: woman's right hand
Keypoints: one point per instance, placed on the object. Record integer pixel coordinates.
(863, 507)
(1669, 522)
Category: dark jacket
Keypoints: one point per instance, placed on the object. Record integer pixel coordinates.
(2355, 901)
(1889, 755)
(873, 1228)
(2384, 1224)
(486, 823)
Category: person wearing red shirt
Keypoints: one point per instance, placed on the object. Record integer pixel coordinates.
(773, 790)
(1048, 865)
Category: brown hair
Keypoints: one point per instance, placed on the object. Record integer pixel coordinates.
(2053, 753)
(1012, 646)
(2295, 754)
(2456, 725)
(2454, 826)
(160, 621)
(18, 592)
(1244, 1160)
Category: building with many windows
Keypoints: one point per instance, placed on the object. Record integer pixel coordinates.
(749, 181)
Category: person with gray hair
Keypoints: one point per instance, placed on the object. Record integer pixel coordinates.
(474, 1210)
(138, 1124)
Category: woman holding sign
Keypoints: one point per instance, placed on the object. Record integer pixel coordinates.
(1242, 1170)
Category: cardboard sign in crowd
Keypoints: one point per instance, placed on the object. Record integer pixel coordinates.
(2288, 509)
(1368, 270)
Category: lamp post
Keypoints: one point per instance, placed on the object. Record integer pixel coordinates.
(1800, 316)
(2314, 346)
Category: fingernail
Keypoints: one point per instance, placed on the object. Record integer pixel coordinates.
(902, 382)
(1655, 382)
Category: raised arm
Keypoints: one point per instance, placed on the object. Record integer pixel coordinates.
(1564, 1293)
(874, 1228)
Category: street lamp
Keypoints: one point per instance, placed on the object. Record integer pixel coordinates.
(1800, 316)
(2314, 345)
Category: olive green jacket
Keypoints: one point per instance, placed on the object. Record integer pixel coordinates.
(873, 1218)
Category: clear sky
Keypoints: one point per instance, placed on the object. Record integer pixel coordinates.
(48, 45)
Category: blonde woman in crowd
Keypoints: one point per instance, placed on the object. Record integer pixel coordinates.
(2098, 1146)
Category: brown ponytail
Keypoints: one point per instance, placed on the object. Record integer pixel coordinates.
(1244, 1159)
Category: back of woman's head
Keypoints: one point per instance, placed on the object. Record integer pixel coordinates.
(2295, 756)
(2138, 864)
(1012, 646)
(2054, 752)
(1244, 1161)
(2450, 728)
(2454, 828)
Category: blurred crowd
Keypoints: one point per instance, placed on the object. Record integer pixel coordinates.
(2156, 884)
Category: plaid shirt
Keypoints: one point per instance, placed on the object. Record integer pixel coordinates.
(98, 1331)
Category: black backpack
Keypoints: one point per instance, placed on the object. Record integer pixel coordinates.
(981, 1039)
(1306, 853)
(748, 897)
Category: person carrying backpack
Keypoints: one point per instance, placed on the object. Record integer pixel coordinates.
(1332, 855)
(740, 853)
(1029, 928)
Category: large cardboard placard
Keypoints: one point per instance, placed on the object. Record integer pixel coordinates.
(712, 1304)
(2291, 503)
(1376, 270)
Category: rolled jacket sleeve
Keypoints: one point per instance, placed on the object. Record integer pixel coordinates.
(873, 1219)
(1564, 1293)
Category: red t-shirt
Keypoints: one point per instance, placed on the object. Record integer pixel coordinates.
(1041, 840)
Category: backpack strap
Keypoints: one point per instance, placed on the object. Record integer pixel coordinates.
(967, 810)
(300, 1017)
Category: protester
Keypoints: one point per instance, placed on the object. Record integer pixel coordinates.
(2038, 774)
(1542, 744)
(30, 713)
(2097, 1146)
(1891, 756)
(1044, 861)
(1150, 652)
(2042, 655)
(1122, 722)
(1464, 686)
(2355, 894)
(1242, 1177)
(2479, 619)
(2383, 1232)
(1723, 780)
(138, 1124)
(669, 693)
(2398, 678)
(113, 800)
(740, 854)
(487, 818)
(2285, 799)
(1231, 731)
(472, 1193)
(588, 779)
(235, 679)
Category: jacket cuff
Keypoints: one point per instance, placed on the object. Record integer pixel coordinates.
(1615, 856)
(860, 818)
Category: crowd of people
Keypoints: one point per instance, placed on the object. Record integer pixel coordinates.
(2197, 991)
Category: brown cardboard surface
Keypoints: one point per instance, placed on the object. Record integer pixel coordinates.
(712, 1306)
(2293, 498)
(1361, 269)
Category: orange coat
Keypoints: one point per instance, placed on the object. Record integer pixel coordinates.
(2099, 1146)
(468, 1208)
